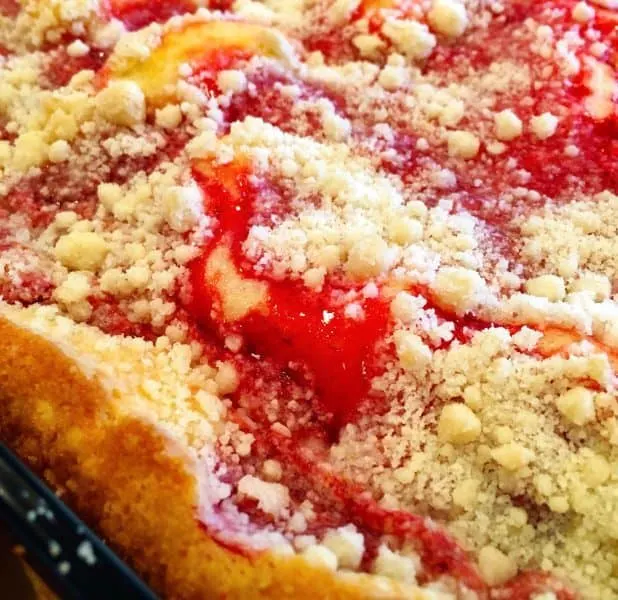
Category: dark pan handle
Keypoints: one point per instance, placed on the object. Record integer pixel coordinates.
(67, 555)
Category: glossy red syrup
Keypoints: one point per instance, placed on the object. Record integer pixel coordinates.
(338, 353)
(300, 328)
(136, 14)
(336, 357)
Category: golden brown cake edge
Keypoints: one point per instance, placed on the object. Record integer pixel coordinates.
(118, 473)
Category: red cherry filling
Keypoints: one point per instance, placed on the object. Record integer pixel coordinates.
(136, 14)
(331, 360)
(302, 331)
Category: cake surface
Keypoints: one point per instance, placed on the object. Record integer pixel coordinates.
(310, 297)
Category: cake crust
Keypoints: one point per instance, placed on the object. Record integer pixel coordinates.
(136, 490)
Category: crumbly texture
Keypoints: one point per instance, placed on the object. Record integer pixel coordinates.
(508, 469)
(399, 155)
(122, 474)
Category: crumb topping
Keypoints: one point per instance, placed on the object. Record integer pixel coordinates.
(223, 213)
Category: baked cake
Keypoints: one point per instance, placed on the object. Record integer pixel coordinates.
(316, 298)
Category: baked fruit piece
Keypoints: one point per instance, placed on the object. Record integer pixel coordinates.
(316, 298)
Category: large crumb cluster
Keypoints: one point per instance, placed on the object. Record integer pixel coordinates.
(160, 381)
(406, 155)
(515, 453)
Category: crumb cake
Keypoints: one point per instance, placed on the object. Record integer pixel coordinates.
(317, 298)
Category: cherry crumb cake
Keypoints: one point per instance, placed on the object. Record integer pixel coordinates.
(316, 298)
